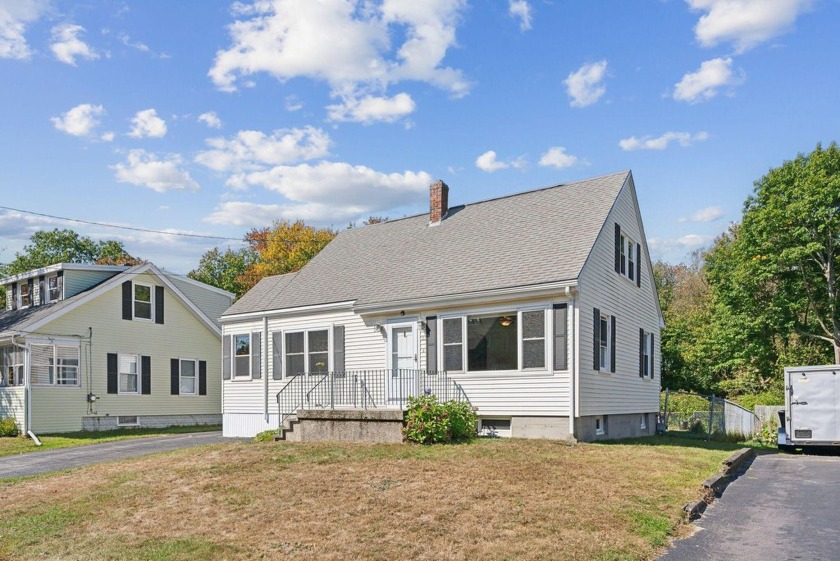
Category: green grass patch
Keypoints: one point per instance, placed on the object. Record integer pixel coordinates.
(22, 444)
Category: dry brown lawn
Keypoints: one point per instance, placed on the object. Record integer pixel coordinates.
(488, 500)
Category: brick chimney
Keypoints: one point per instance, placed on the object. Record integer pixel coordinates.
(438, 201)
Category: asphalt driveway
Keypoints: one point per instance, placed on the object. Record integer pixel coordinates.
(33, 463)
(784, 507)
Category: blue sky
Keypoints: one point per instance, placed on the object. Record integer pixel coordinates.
(213, 118)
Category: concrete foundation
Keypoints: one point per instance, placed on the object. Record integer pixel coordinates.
(150, 421)
(551, 428)
(616, 426)
(349, 425)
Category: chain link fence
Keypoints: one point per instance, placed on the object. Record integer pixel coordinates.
(706, 416)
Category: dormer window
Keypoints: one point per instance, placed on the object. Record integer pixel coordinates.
(627, 256)
(53, 288)
(142, 301)
(24, 295)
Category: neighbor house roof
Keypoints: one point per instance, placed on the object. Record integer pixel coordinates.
(521, 240)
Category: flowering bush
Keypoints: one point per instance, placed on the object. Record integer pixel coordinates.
(430, 422)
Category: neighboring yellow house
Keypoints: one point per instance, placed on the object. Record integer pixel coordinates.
(94, 347)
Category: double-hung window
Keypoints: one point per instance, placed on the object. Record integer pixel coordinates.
(605, 342)
(188, 377)
(129, 374)
(647, 355)
(25, 298)
(307, 352)
(627, 256)
(11, 366)
(498, 341)
(142, 301)
(242, 356)
(54, 288)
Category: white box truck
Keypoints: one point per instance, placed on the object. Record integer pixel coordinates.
(812, 407)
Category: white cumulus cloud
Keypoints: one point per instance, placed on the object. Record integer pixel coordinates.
(15, 15)
(325, 193)
(66, 45)
(745, 23)
(488, 162)
(211, 120)
(704, 83)
(557, 157)
(160, 174)
(585, 85)
(80, 120)
(147, 123)
(250, 150)
(661, 142)
(370, 109)
(357, 48)
(708, 214)
(521, 10)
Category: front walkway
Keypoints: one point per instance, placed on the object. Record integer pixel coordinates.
(33, 463)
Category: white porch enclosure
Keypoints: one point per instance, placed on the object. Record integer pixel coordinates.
(364, 389)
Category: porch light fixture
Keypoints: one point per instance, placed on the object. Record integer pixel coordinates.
(506, 321)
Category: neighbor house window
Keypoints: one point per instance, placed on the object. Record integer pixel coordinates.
(54, 288)
(643, 421)
(307, 352)
(600, 426)
(11, 366)
(142, 301)
(453, 344)
(605, 343)
(127, 421)
(25, 298)
(129, 370)
(56, 365)
(188, 377)
(241, 356)
(631, 261)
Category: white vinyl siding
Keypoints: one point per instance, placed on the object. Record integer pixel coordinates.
(599, 286)
(12, 404)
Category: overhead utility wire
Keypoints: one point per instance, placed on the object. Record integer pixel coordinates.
(121, 227)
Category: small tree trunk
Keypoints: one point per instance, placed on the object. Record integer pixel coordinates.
(836, 353)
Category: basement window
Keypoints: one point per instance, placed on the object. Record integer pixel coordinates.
(600, 425)
(128, 421)
(493, 427)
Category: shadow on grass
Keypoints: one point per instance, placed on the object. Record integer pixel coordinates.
(116, 433)
(690, 442)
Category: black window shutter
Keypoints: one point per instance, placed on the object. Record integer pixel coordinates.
(431, 343)
(174, 377)
(31, 283)
(226, 357)
(159, 304)
(617, 248)
(42, 290)
(638, 265)
(612, 344)
(338, 348)
(641, 353)
(126, 300)
(14, 296)
(596, 337)
(560, 351)
(652, 347)
(256, 356)
(112, 373)
(146, 373)
(277, 355)
(202, 377)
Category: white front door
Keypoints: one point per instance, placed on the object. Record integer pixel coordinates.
(402, 378)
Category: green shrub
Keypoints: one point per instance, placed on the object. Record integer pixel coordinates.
(265, 436)
(8, 427)
(429, 422)
(749, 401)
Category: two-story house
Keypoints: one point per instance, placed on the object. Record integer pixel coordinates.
(93, 347)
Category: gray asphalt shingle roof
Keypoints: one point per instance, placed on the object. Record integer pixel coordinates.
(530, 238)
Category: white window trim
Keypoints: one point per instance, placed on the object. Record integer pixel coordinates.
(518, 310)
(233, 375)
(643, 421)
(55, 344)
(151, 302)
(306, 332)
(195, 392)
(136, 422)
(139, 362)
(485, 431)
(602, 430)
(20, 288)
(649, 358)
(626, 250)
(47, 298)
(605, 366)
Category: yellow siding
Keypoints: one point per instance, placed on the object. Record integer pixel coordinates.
(181, 336)
(12, 404)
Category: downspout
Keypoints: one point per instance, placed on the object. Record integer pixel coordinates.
(27, 388)
(265, 368)
(573, 370)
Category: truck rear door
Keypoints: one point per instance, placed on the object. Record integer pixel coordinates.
(814, 399)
